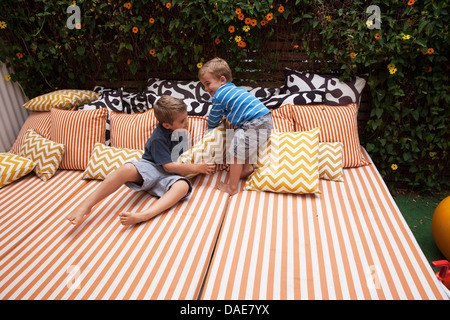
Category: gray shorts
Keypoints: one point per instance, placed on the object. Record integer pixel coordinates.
(156, 181)
(247, 139)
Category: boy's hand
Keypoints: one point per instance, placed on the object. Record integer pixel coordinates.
(206, 168)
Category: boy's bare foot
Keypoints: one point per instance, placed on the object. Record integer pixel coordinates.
(227, 188)
(129, 218)
(76, 216)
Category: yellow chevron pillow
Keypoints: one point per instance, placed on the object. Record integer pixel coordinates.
(105, 160)
(211, 149)
(46, 154)
(288, 163)
(13, 167)
(62, 99)
(330, 161)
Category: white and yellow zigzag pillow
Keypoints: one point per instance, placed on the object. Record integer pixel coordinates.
(330, 161)
(209, 149)
(13, 167)
(104, 160)
(62, 99)
(46, 154)
(289, 163)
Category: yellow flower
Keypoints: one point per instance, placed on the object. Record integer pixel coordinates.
(394, 166)
(237, 38)
(199, 65)
(7, 77)
(369, 23)
(328, 18)
(392, 68)
(246, 28)
(406, 37)
(3, 24)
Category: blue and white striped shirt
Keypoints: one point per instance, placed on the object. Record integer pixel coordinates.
(236, 104)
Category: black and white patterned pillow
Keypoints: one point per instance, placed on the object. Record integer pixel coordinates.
(181, 89)
(336, 92)
(299, 98)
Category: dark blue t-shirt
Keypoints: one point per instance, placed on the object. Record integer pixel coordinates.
(164, 146)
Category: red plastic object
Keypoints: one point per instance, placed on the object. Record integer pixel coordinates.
(443, 274)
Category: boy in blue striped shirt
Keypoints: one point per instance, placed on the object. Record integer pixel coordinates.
(242, 110)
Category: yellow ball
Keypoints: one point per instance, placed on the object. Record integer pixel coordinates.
(440, 227)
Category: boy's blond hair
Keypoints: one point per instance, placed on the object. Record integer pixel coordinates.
(217, 67)
(166, 107)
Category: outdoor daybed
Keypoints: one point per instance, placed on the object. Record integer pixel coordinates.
(315, 235)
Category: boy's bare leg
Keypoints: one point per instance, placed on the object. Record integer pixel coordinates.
(236, 169)
(176, 192)
(112, 182)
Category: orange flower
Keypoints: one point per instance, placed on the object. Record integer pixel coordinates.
(168, 5)
(238, 11)
(377, 36)
(410, 2)
(128, 61)
(264, 22)
(128, 5)
(248, 20)
(152, 52)
(135, 29)
(230, 29)
(430, 69)
(241, 16)
(269, 17)
(430, 50)
(217, 40)
(424, 52)
(253, 22)
(151, 20)
(78, 26)
(242, 44)
(410, 22)
(280, 9)
(19, 55)
(353, 55)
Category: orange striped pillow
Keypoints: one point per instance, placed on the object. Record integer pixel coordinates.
(197, 126)
(39, 122)
(78, 131)
(132, 131)
(282, 119)
(337, 123)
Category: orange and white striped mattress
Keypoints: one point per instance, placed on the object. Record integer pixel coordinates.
(350, 242)
(42, 256)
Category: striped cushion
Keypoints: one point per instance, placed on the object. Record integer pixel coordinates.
(282, 119)
(209, 149)
(13, 167)
(289, 163)
(78, 131)
(197, 127)
(45, 153)
(337, 123)
(63, 99)
(330, 161)
(132, 131)
(39, 122)
(105, 160)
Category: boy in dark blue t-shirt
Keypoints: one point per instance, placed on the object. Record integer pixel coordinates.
(157, 172)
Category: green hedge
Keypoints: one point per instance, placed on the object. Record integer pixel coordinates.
(402, 45)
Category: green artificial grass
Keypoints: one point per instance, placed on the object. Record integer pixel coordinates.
(418, 213)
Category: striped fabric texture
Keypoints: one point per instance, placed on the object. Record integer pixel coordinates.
(78, 131)
(105, 160)
(209, 149)
(289, 163)
(330, 161)
(13, 167)
(349, 243)
(43, 257)
(337, 123)
(39, 122)
(62, 99)
(132, 131)
(45, 154)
